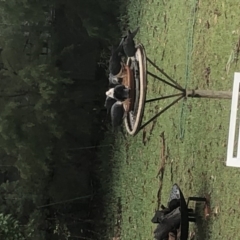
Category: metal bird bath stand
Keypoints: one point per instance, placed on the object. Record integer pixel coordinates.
(138, 84)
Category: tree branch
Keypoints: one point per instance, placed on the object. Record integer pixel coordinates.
(15, 95)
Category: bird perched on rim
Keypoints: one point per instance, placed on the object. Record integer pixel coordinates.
(129, 44)
(109, 103)
(119, 92)
(117, 114)
(115, 62)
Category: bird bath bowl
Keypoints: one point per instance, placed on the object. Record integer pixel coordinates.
(129, 81)
(136, 79)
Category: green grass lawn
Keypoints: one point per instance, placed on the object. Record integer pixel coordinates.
(196, 133)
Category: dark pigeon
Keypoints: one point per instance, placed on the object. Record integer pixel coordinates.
(129, 47)
(115, 62)
(117, 114)
(119, 92)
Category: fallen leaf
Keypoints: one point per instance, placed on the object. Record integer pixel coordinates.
(216, 210)
(215, 19)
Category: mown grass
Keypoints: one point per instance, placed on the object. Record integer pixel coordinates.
(197, 160)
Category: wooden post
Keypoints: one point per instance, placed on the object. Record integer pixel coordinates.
(209, 94)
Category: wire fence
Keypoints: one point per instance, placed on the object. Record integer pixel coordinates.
(189, 48)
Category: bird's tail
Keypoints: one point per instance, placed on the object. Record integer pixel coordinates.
(112, 49)
(134, 33)
(119, 48)
(121, 43)
(130, 34)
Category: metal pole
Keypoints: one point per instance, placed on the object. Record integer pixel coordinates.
(161, 71)
(161, 79)
(164, 97)
(161, 112)
(209, 94)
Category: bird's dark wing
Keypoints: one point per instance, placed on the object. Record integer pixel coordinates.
(112, 85)
(118, 92)
(117, 112)
(119, 87)
(157, 218)
(109, 103)
(115, 64)
(129, 44)
(117, 49)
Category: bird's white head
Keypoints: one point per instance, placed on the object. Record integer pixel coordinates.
(110, 93)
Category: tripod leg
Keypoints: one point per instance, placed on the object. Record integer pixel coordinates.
(199, 199)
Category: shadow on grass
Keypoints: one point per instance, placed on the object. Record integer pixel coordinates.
(79, 40)
(101, 177)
